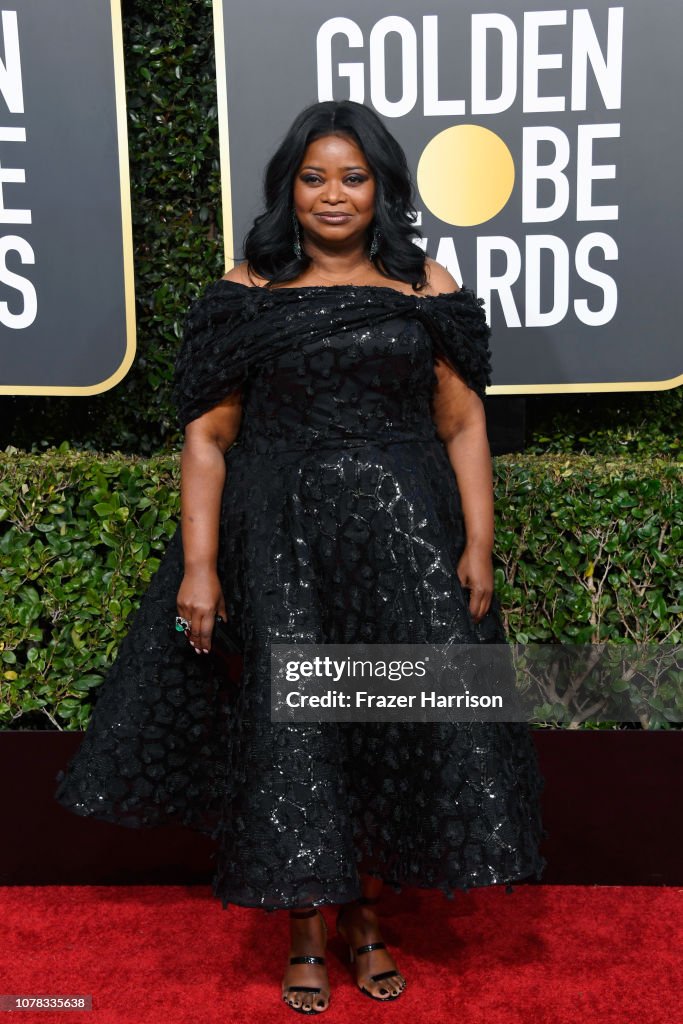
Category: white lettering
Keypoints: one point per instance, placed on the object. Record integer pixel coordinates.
(586, 48)
(13, 243)
(533, 172)
(430, 72)
(582, 49)
(10, 68)
(393, 108)
(534, 61)
(596, 240)
(481, 24)
(448, 258)
(535, 244)
(486, 282)
(18, 175)
(587, 172)
(352, 71)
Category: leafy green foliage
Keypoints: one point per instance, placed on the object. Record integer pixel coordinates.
(635, 423)
(586, 552)
(80, 537)
(592, 548)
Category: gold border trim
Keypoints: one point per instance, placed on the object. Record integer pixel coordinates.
(590, 387)
(228, 242)
(223, 136)
(126, 236)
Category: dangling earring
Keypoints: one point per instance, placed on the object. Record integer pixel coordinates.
(298, 251)
(374, 245)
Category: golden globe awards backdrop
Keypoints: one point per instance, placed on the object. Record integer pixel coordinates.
(545, 144)
(67, 313)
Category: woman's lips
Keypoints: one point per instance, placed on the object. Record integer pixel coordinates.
(334, 218)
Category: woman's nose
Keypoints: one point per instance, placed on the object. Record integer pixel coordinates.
(333, 192)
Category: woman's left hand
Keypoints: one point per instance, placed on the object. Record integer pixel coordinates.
(475, 570)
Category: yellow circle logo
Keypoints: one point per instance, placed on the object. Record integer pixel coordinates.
(465, 175)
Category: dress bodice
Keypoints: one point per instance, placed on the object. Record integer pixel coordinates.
(327, 364)
(343, 389)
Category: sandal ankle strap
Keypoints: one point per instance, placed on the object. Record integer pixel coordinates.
(370, 946)
(308, 912)
(384, 974)
(307, 960)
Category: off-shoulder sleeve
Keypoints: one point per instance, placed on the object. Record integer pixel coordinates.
(457, 323)
(210, 364)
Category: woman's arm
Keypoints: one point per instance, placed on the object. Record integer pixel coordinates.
(461, 424)
(202, 478)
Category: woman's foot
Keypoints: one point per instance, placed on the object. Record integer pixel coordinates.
(358, 925)
(305, 986)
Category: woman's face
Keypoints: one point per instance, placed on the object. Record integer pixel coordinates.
(334, 191)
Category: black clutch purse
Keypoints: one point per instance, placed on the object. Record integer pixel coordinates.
(225, 640)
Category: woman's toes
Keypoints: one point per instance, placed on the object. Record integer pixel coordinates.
(309, 1002)
(386, 989)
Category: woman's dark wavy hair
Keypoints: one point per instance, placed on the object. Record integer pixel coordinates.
(268, 246)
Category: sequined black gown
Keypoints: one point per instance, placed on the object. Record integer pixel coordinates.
(340, 522)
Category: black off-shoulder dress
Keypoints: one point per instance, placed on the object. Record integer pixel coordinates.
(340, 522)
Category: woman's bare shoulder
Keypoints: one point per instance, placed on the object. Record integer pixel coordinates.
(438, 279)
(242, 275)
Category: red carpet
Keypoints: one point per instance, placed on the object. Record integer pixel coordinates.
(166, 955)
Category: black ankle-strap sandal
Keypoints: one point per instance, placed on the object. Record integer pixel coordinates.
(368, 900)
(298, 914)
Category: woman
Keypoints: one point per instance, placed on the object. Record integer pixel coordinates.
(336, 488)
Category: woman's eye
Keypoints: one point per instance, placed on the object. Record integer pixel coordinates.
(353, 179)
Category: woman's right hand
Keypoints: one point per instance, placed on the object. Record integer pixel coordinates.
(199, 600)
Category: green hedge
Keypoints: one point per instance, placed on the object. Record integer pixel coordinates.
(586, 551)
(607, 424)
(178, 249)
